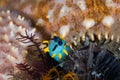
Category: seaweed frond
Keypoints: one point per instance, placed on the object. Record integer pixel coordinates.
(31, 39)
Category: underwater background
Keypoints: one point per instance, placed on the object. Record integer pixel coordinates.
(59, 39)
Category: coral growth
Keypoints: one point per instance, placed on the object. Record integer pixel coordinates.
(89, 27)
(11, 50)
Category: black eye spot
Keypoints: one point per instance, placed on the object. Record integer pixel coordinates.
(60, 42)
(55, 38)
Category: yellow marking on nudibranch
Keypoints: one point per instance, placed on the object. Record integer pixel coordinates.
(65, 52)
(46, 49)
(54, 34)
(61, 37)
(60, 55)
(53, 55)
(64, 46)
(45, 42)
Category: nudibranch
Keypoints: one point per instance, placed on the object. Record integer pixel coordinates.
(57, 48)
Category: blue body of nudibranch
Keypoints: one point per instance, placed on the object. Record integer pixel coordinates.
(58, 49)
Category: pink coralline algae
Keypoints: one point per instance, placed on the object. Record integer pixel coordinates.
(12, 51)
